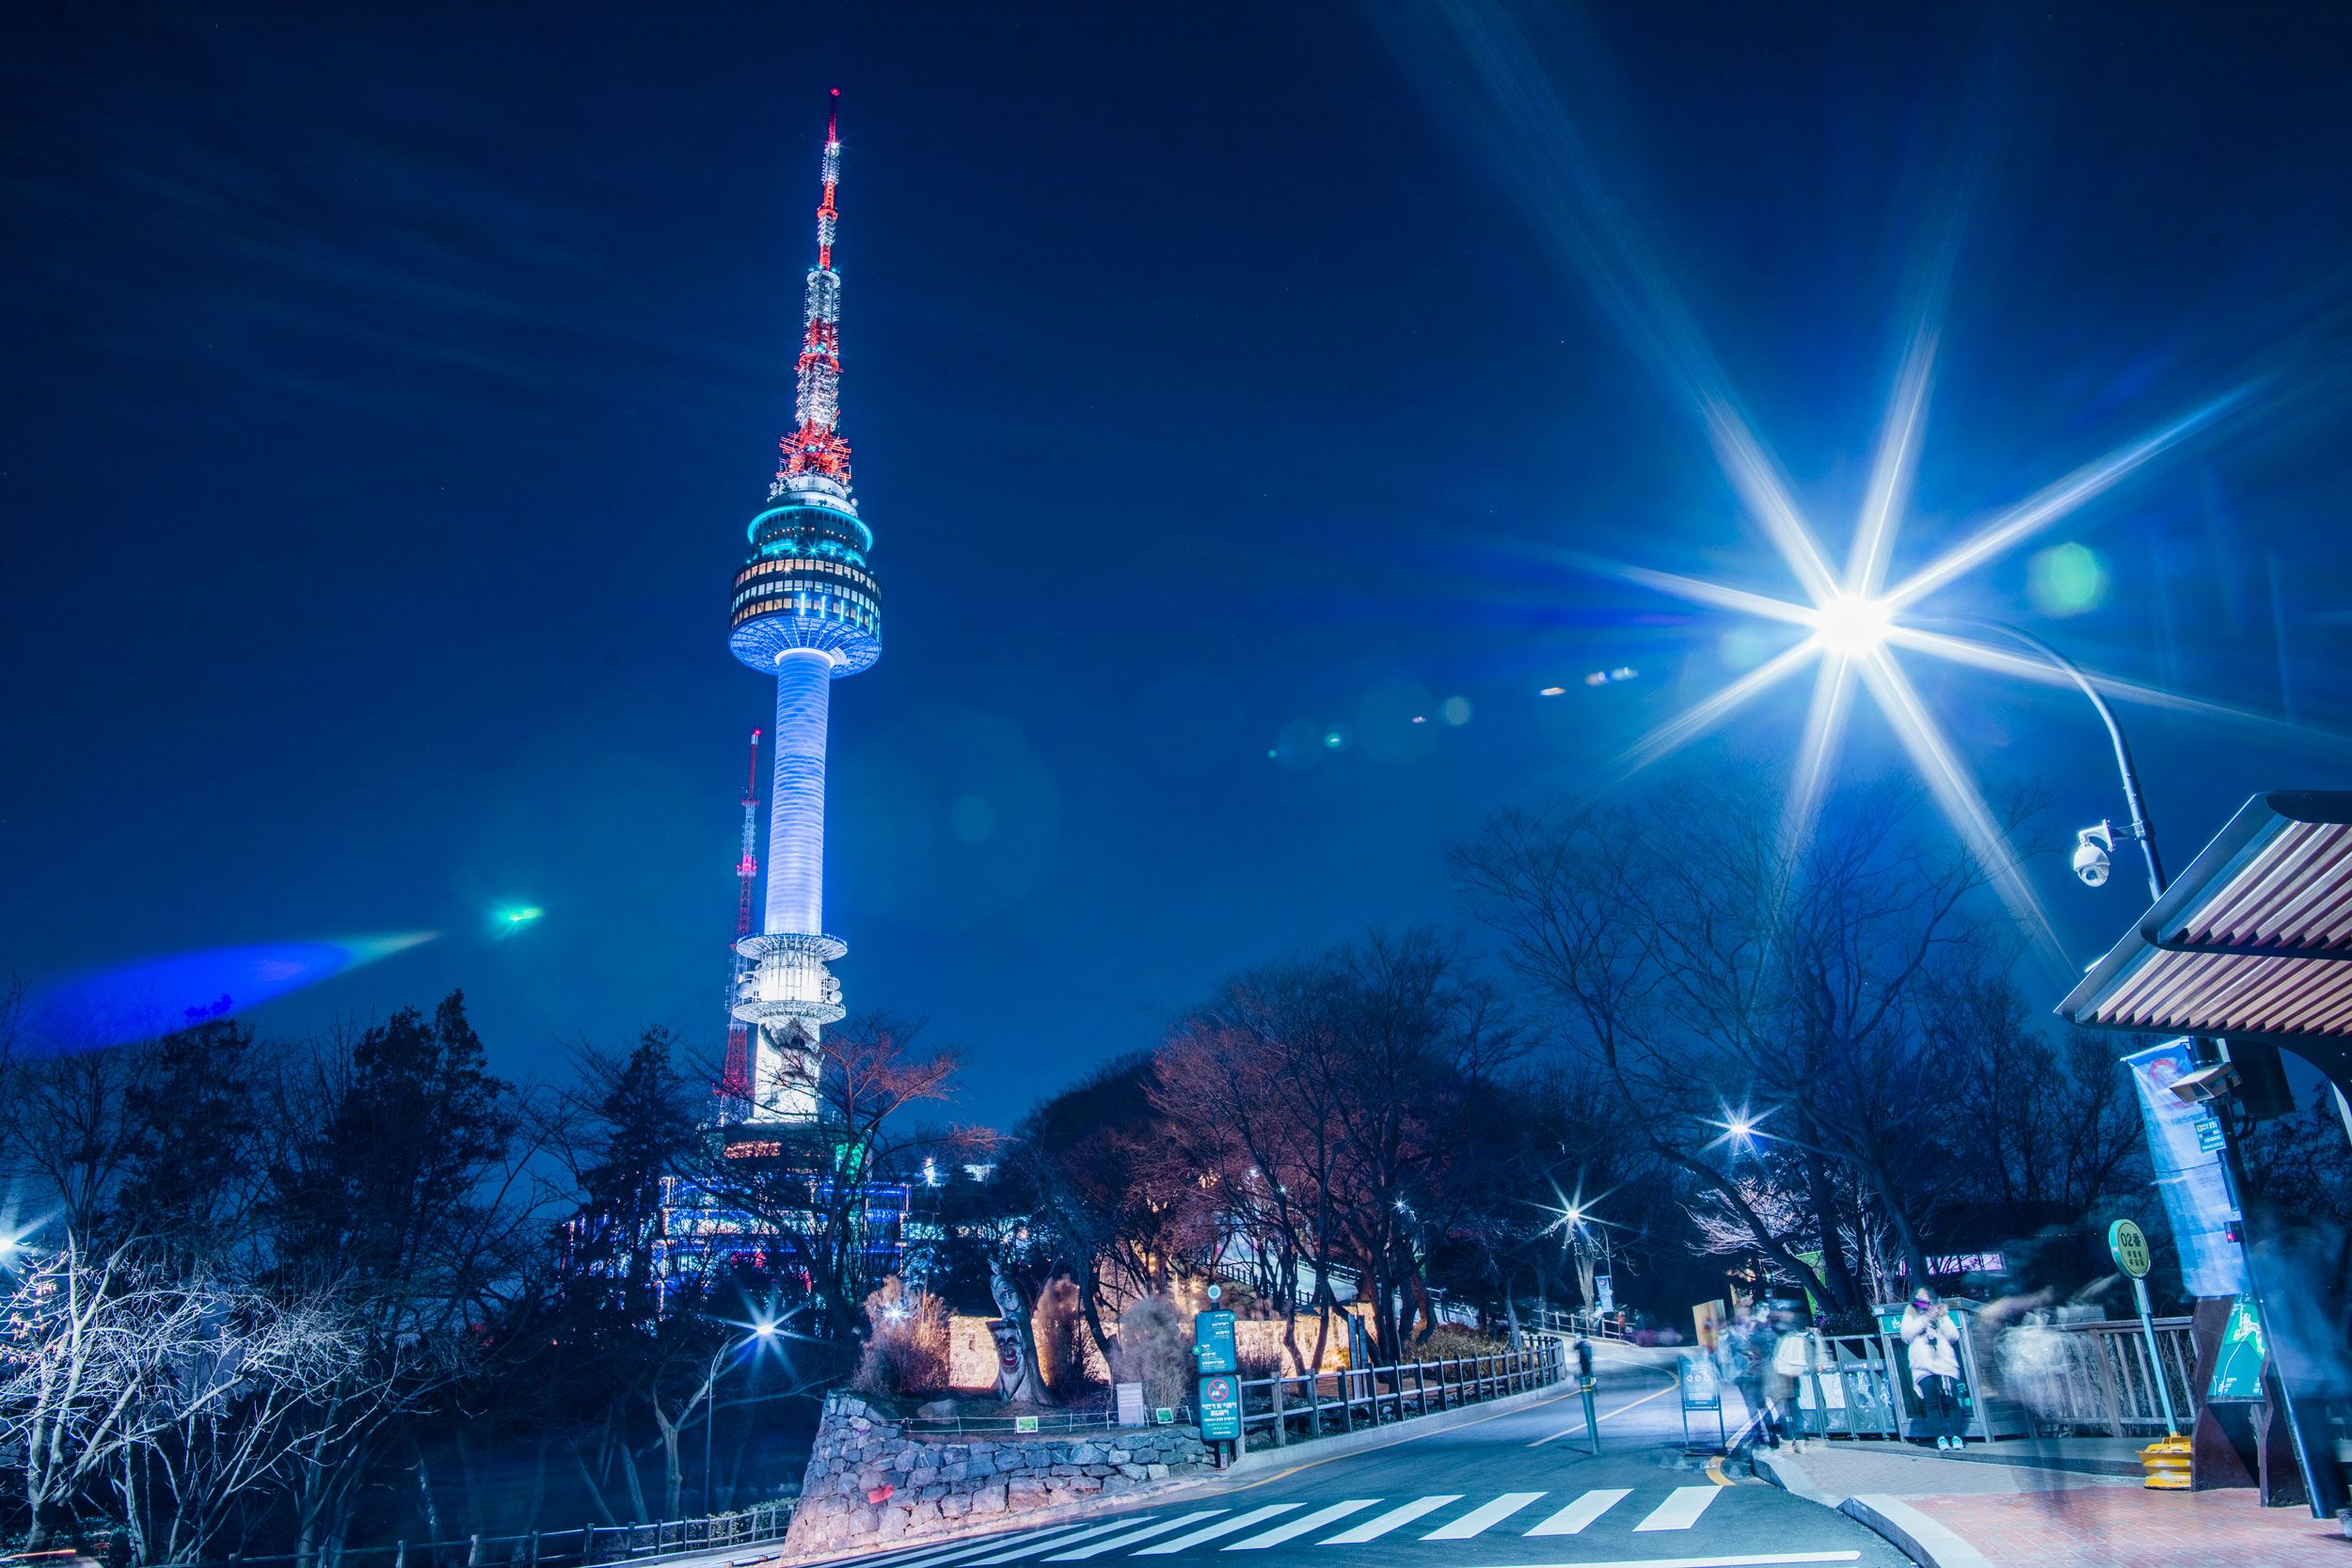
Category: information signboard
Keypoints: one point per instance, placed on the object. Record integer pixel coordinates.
(1212, 1344)
(1219, 1405)
(1701, 1389)
(2237, 1371)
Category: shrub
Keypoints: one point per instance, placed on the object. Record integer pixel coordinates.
(1154, 1348)
(1061, 1351)
(1448, 1341)
(907, 1348)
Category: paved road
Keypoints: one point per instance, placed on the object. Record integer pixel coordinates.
(1517, 1490)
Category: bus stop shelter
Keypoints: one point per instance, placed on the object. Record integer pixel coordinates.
(2249, 951)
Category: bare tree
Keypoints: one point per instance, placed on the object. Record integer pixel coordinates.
(1711, 969)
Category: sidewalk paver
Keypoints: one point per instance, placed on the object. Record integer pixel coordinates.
(2026, 1505)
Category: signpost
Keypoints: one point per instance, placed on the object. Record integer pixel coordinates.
(1701, 1391)
(1220, 1408)
(2237, 1371)
(2129, 1244)
(1218, 1361)
(1212, 1344)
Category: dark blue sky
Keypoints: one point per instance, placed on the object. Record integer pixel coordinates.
(385, 395)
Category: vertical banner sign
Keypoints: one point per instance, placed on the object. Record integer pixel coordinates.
(1220, 1408)
(2187, 1173)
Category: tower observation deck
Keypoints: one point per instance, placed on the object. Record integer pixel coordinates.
(806, 612)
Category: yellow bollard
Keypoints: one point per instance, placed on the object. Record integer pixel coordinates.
(2166, 1460)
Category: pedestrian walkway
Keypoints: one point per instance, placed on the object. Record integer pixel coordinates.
(1438, 1520)
(2055, 1504)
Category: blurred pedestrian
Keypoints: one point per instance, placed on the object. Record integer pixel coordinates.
(1748, 1350)
(1933, 1341)
(1796, 1354)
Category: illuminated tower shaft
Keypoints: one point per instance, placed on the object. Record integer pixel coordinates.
(806, 612)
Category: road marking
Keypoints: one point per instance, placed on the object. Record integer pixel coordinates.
(1681, 1510)
(1316, 1520)
(1210, 1532)
(1483, 1514)
(1570, 1432)
(1582, 1511)
(940, 1556)
(1380, 1523)
(1032, 1546)
(1753, 1560)
(1715, 1472)
(1146, 1533)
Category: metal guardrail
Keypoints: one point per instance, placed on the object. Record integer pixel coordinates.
(2075, 1378)
(589, 1546)
(1305, 1405)
(2105, 1380)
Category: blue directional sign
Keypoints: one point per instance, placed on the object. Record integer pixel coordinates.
(1212, 1344)
(1219, 1405)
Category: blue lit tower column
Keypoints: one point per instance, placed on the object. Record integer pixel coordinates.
(806, 611)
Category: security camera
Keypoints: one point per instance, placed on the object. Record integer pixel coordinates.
(2206, 1084)
(2091, 847)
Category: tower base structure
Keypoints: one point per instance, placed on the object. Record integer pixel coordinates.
(788, 996)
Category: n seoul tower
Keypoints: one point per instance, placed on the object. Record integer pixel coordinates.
(806, 612)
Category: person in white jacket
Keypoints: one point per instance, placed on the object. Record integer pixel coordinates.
(1934, 1341)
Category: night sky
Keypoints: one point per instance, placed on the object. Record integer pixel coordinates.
(386, 393)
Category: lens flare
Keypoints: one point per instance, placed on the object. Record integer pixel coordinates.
(153, 996)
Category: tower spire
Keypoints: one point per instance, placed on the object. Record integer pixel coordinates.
(817, 448)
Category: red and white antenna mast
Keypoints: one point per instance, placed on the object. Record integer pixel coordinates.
(735, 1078)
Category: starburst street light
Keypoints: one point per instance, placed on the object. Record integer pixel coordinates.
(1857, 622)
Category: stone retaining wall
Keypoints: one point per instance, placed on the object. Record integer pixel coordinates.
(868, 1481)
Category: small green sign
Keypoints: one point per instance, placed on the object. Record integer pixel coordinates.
(1220, 1408)
(2129, 1244)
(1025, 1423)
(1163, 1416)
(2237, 1371)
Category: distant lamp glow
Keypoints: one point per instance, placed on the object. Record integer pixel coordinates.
(1740, 1128)
(1851, 625)
(1552, 691)
(522, 916)
(765, 1328)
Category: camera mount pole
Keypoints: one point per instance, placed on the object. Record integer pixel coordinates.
(2140, 828)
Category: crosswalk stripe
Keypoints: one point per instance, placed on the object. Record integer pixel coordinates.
(1483, 1514)
(1033, 1547)
(1681, 1510)
(937, 1555)
(1210, 1532)
(1748, 1559)
(1146, 1533)
(1297, 1527)
(1582, 1511)
(1380, 1523)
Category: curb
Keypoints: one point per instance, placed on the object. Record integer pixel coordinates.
(1909, 1531)
(1921, 1539)
(1785, 1472)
